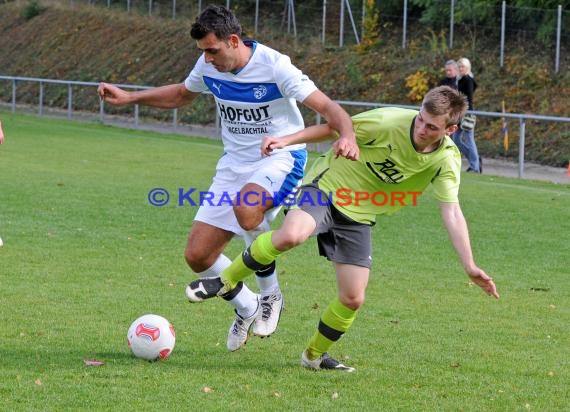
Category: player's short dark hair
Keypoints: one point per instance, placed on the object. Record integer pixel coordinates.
(444, 100)
(218, 20)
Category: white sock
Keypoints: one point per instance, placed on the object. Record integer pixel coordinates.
(245, 302)
(217, 268)
(268, 285)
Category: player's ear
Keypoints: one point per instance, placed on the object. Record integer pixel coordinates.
(233, 40)
(451, 129)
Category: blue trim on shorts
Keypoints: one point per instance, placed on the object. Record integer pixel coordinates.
(294, 177)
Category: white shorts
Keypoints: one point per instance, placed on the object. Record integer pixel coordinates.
(279, 174)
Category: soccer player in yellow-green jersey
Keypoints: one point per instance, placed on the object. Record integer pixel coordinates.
(397, 153)
(389, 173)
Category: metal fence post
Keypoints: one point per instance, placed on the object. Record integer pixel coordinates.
(521, 147)
(503, 21)
(255, 25)
(354, 30)
(41, 100)
(14, 95)
(558, 31)
(175, 118)
(405, 24)
(324, 20)
(291, 18)
(136, 115)
(101, 110)
(363, 20)
(341, 25)
(69, 101)
(451, 23)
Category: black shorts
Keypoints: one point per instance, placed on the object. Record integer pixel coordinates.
(340, 239)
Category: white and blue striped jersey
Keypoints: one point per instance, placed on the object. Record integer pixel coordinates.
(259, 100)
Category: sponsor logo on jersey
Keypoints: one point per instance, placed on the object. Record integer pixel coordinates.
(243, 115)
(386, 171)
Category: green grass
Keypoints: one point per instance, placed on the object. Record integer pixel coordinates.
(85, 254)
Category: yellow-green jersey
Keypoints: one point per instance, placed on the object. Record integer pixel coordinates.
(389, 173)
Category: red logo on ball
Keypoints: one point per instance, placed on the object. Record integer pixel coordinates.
(147, 331)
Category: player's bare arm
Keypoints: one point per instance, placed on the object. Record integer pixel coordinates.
(456, 226)
(311, 134)
(165, 97)
(338, 120)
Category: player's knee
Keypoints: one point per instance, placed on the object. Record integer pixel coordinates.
(197, 259)
(249, 224)
(248, 217)
(353, 302)
(289, 240)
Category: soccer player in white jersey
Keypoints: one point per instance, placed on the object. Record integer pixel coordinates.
(401, 152)
(256, 89)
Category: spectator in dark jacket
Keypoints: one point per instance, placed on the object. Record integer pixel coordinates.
(451, 74)
(464, 137)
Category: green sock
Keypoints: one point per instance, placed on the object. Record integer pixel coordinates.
(261, 251)
(335, 321)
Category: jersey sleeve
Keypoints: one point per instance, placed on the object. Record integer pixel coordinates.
(446, 184)
(194, 82)
(369, 125)
(291, 81)
(360, 130)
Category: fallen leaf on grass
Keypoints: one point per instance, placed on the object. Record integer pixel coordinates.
(93, 362)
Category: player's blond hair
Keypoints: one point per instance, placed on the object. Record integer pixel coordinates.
(444, 100)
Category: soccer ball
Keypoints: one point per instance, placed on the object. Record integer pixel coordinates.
(151, 337)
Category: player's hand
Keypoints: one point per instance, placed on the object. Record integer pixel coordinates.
(269, 144)
(112, 94)
(346, 147)
(481, 279)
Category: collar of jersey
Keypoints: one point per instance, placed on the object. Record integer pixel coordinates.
(249, 43)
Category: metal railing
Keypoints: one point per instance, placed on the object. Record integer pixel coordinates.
(521, 117)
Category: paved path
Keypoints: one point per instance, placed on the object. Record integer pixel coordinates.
(532, 171)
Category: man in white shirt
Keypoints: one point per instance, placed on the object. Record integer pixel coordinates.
(256, 89)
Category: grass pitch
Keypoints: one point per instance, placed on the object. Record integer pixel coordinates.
(85, 253)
